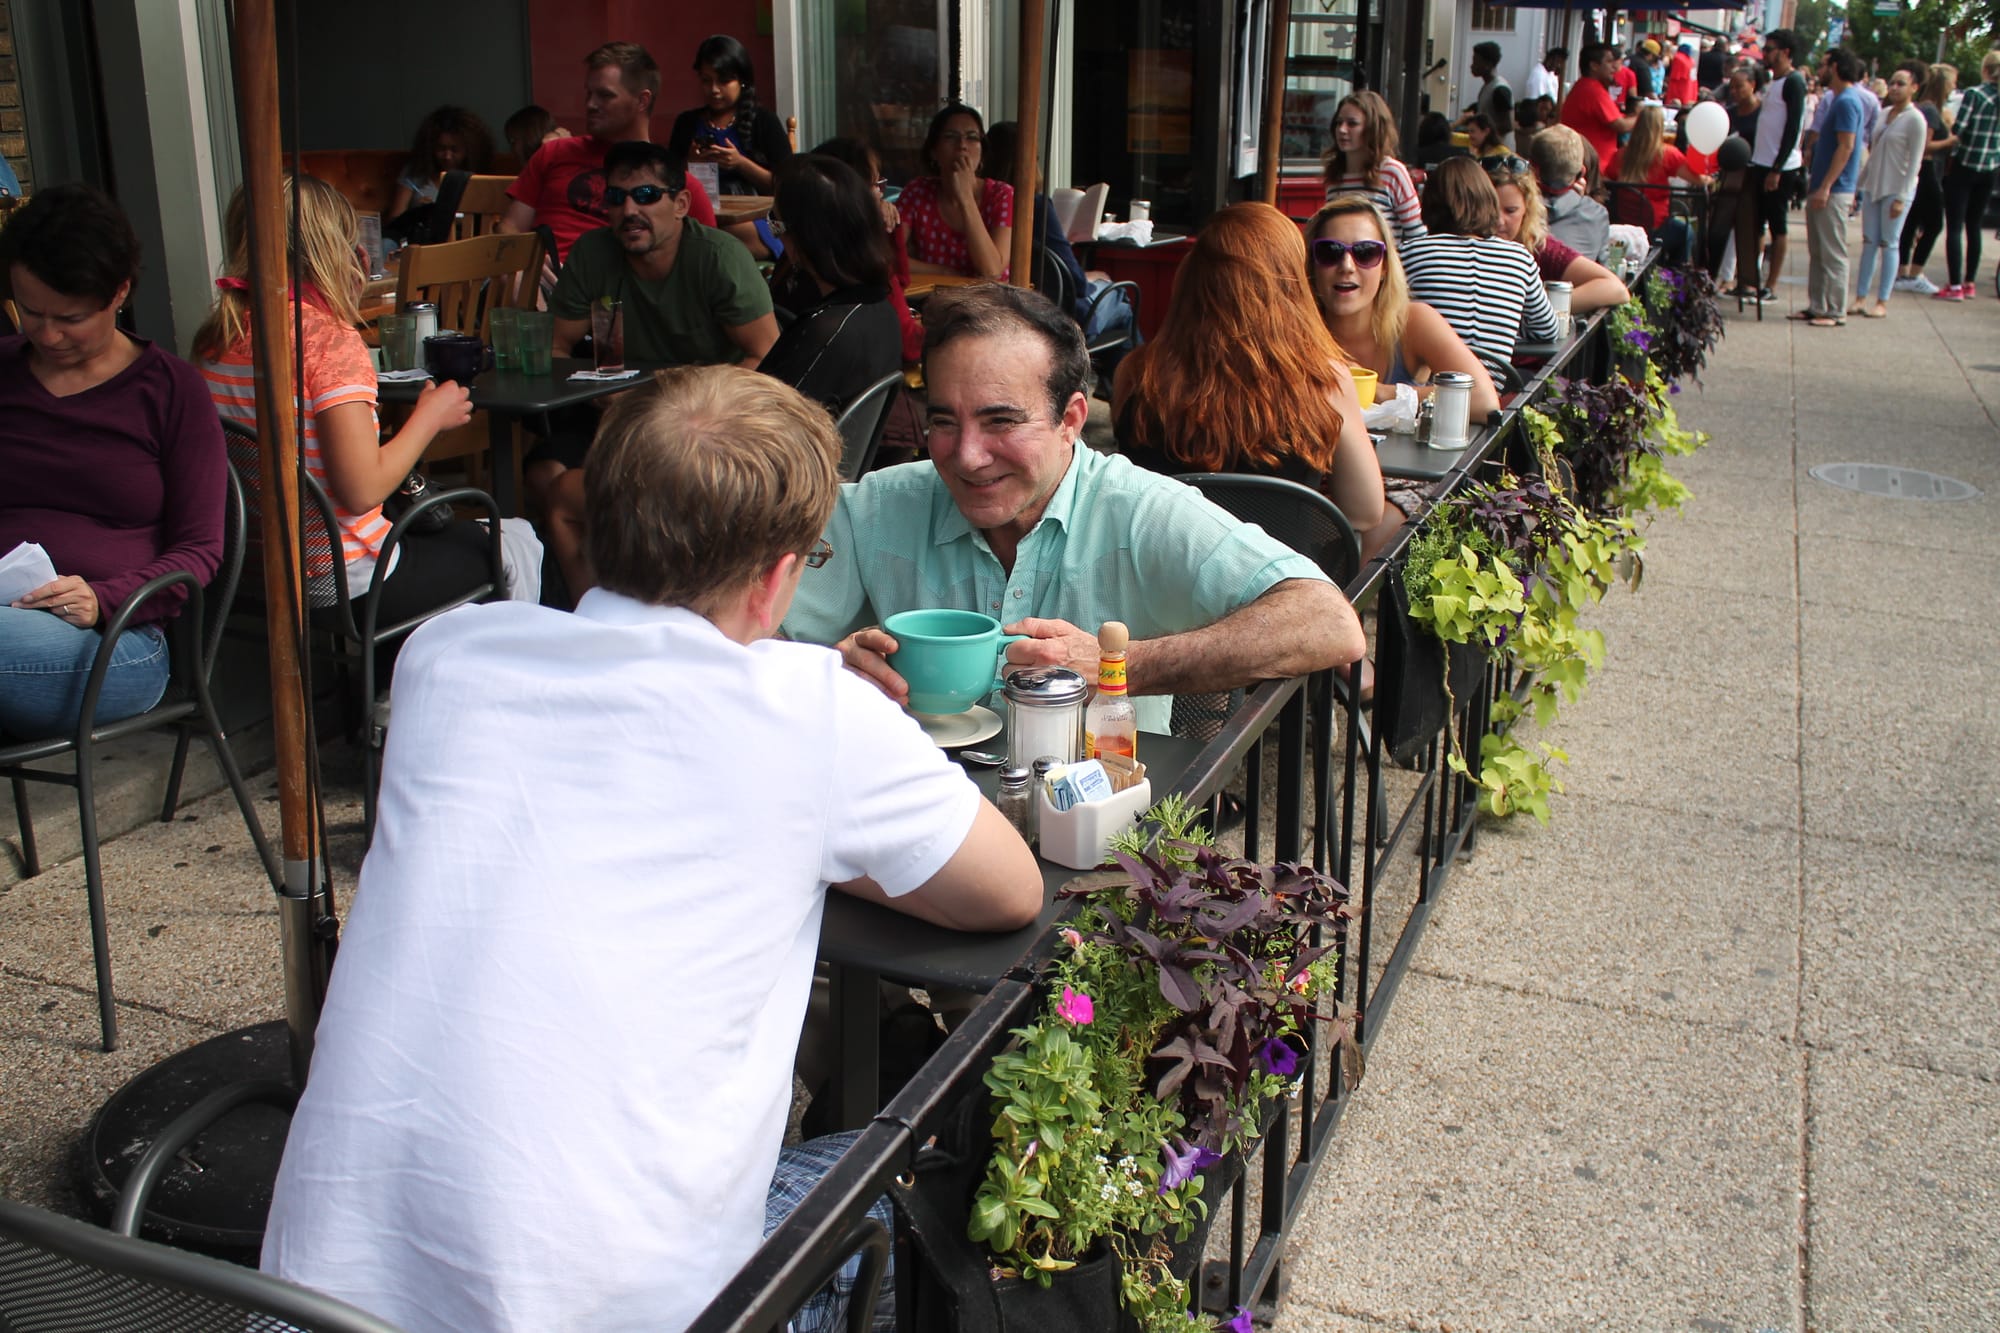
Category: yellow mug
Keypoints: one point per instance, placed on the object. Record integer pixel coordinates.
(1364, 384)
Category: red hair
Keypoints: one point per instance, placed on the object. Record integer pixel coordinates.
(1239, 376)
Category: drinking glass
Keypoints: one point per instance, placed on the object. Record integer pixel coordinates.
(399, 342)
(503, 325)
(536, 332)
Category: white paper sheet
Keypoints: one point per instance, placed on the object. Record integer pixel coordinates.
(22, 570)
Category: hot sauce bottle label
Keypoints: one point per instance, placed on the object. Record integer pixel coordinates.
(1111, 674)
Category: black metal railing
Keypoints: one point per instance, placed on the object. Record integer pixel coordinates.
(1347, 827)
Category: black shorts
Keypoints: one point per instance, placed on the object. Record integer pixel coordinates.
(1771, 205)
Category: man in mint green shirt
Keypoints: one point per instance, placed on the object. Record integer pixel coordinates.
(1013, 516)
(691, 295)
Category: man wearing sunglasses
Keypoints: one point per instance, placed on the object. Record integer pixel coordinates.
(691, 294)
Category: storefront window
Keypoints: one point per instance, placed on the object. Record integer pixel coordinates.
(877, 71)
(1320, 71)
(1134, 110)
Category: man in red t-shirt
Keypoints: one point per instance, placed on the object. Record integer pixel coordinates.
(1682, 90)
(1589, 109)
(562, 185)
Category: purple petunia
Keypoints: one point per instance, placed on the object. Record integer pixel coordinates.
(1182, 1165)
(1640, 339)
(1239, 1322)
(1278, 1057)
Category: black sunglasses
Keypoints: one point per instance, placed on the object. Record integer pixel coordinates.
(643, 195)
(1505, 165)
(1365, 254)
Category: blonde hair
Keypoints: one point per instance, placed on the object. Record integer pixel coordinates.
(1391, 312)
(1989, 66)
(327, 270)
(1534, 213)
(1642, 151)
(702, 479)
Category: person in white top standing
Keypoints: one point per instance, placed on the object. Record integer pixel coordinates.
(555, 1064)
(1888, 184)
(1545, 79)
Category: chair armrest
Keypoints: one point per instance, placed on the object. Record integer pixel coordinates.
(86, 717)
(466, 495)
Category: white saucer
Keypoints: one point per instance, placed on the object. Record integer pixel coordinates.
(949, 731)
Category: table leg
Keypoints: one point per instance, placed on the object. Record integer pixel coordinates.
(857, 1075)
(500, 438)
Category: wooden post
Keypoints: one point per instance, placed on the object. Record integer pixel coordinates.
(1027, 143)
(256, 76)
(1272, 151)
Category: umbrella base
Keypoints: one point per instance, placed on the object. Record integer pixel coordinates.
(217, 1194)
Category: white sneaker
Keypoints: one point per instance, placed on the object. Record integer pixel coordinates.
(1906, 285)
(1923, 285)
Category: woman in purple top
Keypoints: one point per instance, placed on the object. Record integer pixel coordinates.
(114, 463)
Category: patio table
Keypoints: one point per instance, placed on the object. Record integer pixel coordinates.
(863, 943)
(508, 396)
(1401, 456)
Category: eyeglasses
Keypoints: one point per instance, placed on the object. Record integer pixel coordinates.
(972, 137)
(821, 552)
(881, 184)
(643, 195)
(1505, 165)
(1328, 253)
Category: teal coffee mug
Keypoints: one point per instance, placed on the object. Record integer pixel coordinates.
(951, 659)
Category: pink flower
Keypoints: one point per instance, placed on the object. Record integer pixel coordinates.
(1298, 984)
(1071, 938)
(1075, 1007)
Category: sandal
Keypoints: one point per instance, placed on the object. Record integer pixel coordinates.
(1879, 312)
(1825, 322)
(1804, 316)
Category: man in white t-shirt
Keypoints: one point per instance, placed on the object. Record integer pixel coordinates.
(554, 1067)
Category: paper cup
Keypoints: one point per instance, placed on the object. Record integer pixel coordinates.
(1364, 385)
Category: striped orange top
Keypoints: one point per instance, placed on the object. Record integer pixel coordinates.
(337, 370)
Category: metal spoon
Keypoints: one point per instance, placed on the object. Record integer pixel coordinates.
(983, 758)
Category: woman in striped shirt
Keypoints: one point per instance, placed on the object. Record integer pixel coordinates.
(1363, 161)
(341, 441)
(1487, 288)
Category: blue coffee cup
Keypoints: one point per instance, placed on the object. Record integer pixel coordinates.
(950, 659)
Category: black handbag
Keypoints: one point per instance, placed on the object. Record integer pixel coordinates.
(407, 497)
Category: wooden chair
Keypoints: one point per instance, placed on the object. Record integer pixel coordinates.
(481, 207)
(467, 280)
(792, 131)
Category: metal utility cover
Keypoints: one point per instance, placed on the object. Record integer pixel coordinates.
(1895, 483)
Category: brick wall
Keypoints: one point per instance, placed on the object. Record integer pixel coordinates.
(13, 124)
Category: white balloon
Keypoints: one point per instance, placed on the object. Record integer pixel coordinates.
(1707, 126)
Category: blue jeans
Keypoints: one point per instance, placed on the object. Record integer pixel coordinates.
(45, 663)
(1881, 233)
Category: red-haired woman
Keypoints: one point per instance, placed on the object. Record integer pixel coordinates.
(1363, 161)
(1244, 376)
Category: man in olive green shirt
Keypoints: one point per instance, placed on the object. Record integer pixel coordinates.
(1011, 515)
(691, 294)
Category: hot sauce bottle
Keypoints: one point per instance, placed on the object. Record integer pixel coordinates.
(1111, 726)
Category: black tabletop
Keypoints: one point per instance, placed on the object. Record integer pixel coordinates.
(510, 393)
(1401, 456)
(865, 935)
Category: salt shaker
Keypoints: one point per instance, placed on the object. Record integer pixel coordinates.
(1045, 714)
(1559, 297)
(426, 315)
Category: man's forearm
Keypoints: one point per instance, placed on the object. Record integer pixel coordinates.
(1297, 627)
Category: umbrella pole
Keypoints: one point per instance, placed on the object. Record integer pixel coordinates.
(301, 904)
(1271, 151)
(1027, 162)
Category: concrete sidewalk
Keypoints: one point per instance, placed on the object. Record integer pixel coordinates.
(1714, 1051)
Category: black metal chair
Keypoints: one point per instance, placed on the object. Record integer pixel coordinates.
(59, 1275)
(1311, 524)
(353, 624)
(1052, 279)
(194, 638)
(860, 425)
(1506, 375)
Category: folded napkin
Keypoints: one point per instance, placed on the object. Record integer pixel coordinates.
(22, 570)
(401, 376)
(1139, 233)
(602, 376)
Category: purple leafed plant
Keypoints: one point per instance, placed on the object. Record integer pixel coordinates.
(1230, 942)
